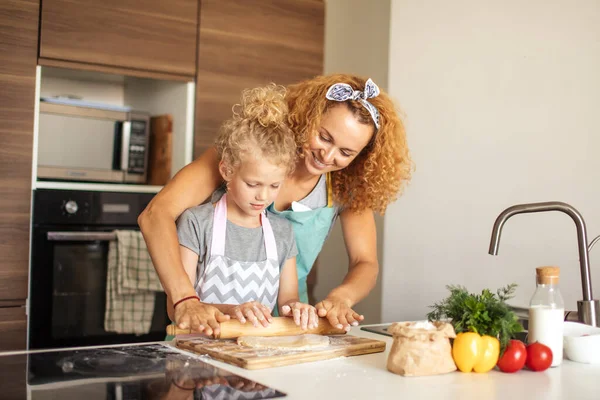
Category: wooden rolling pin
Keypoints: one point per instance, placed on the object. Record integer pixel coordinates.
(281, 326)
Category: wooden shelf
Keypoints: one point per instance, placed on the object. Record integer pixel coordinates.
(108, 69)
(99, 187)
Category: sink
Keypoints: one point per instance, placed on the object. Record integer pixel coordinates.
(379, 329)
(522, 336)
(383, 329)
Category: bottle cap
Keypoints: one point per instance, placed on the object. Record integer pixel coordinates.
(547, 275)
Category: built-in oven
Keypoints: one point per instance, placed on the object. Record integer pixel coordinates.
(69, 265)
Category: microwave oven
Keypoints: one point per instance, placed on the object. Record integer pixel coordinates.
(90, 142)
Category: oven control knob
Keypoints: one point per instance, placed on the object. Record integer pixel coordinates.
(71, 207)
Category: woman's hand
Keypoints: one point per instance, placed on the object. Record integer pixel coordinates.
(339, 313)
(199, 317)
(304, 315)
(253, 311)
(243, 384)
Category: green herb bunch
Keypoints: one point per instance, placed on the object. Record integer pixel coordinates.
(486, 313)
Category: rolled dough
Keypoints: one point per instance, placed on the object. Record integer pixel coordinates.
(307, 341)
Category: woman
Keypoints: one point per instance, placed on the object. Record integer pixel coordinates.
(353, 160)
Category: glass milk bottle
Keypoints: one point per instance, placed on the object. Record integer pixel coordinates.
(546, 313)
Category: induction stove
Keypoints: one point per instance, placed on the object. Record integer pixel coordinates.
(146, 371)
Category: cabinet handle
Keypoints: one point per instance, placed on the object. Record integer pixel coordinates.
(81, 236)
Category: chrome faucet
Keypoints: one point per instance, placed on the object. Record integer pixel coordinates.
(588, 309)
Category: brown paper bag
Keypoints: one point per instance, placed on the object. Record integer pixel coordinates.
(418, 352)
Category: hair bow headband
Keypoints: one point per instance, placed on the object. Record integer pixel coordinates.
(344, 92)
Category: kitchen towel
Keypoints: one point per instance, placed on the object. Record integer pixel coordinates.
(131, 284)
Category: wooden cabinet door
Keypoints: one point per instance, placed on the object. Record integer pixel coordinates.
(244, 44)
(13, 328)
(18, 55)
(147, 35)
(13, 368)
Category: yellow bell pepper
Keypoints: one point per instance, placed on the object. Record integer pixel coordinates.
(473, 352)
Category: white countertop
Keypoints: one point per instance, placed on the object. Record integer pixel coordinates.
(366, 377)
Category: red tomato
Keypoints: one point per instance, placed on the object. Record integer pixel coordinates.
(514, 357)
(539, 357)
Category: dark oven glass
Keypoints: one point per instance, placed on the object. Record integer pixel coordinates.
(68, 290)
(78, 289)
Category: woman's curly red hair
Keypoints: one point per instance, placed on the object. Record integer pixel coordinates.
(377, 176)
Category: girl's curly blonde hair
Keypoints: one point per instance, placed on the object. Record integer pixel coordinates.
(377, 176)
(259, 127)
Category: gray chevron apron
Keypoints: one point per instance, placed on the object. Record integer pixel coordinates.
(228, 281)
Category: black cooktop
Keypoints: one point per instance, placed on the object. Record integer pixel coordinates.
(148, 371)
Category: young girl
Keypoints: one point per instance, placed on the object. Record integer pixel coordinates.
(239, 259)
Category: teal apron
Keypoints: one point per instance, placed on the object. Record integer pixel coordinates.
(310, 230)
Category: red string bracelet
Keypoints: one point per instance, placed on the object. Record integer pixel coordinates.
(184, 299)
(182, 387)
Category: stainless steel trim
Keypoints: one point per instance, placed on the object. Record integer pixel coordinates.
(59, 236)
(589, 312)
(134, 178)
(75, 174)
(98, 187)
(379, 329)
(63, 109)
(140, 178)
(521, 312)
(572, 316)
(125, 143)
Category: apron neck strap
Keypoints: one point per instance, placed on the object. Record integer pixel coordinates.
(217, 247)
(219, 226)
(270, 244)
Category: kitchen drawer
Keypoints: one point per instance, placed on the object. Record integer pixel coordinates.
(146, 35)
(13, 328)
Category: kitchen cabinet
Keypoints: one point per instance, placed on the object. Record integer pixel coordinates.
(18, 55)
(120, 35)
(13, 328)
(244, 44)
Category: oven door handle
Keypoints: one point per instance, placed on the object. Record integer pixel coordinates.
(61, 236)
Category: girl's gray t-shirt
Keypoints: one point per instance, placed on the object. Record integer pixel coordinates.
(195, 227)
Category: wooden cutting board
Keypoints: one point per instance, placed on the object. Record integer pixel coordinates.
(227, 350)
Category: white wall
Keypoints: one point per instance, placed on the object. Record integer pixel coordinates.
(159, 97)
(357, 38)
(357, 42)
(502, 101)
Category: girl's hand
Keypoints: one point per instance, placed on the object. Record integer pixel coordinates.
(253, 311)
(339, 313)
(304, 315)
(199, 317)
